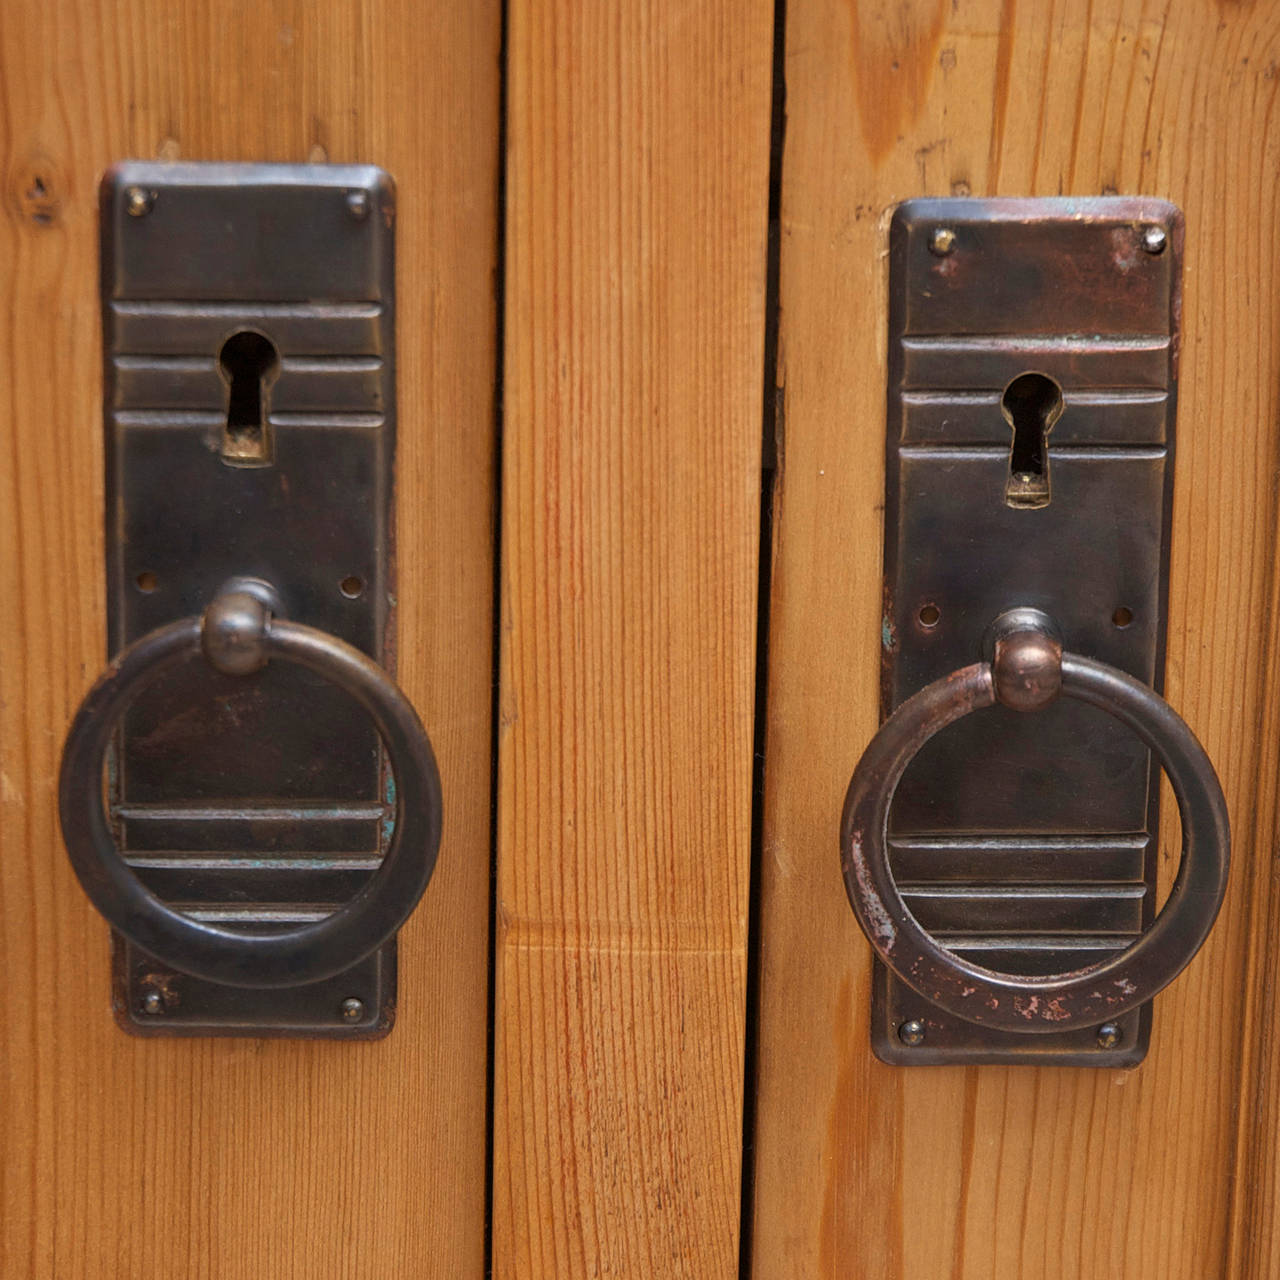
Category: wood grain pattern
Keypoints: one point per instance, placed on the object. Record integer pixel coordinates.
(635, 279)
(864, 1170)
(241, 1158)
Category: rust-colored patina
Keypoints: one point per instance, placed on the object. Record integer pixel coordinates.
(1024, 668)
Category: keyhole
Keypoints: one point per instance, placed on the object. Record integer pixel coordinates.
(1031, 404)
(249, 363)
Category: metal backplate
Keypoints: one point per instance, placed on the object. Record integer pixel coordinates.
(1026, 842)
(250, 431)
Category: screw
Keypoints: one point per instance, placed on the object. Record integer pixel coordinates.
(352, 1009)
(912, 1032)
(358, 204)
(1154, 239)
(153, 1002)
(942, 241)
(1110, 1035)
(139, 202)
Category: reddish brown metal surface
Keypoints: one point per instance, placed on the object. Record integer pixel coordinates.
(1081, 998)
(268, 796)
(1027, 670)
(1073, 305)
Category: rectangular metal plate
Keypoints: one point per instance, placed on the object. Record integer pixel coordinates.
(1027, 842)
(264, 800)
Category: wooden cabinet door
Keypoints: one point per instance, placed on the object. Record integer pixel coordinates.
(872, 1171)
(618, 298)
(242, 1158)
(646, 701)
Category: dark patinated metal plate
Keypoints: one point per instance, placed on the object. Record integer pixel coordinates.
(250, 431)
(1026, 842)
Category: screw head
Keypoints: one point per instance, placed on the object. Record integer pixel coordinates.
(1154, 239)
(358, 205)
(138, 202)
(1110, 1034)
(352, 1009)
(911, 1032)
(153, 1003)
(942, 241)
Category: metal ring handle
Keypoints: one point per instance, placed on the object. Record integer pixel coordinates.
(238, 635)
(1028, 671)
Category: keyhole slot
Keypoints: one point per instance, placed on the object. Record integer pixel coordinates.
(1031, 404)
(249, 363)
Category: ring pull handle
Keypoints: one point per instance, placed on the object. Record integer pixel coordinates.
(1028, 671)
(239, 634)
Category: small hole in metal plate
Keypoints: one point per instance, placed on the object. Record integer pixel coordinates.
(929, 615)
(147, 581)
(1122, 617)
(352, 587)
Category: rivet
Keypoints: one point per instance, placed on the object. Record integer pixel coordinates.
(139, 202)
(352, 1009)
(1154, 239)
(942, 241)
(911, 1032)
(153, 1002)
(1109, 1035)
(358, 204)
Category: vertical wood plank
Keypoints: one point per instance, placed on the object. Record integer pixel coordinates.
(1254, 1242)
(637, 187)
(240, 1158)
(866, 1170)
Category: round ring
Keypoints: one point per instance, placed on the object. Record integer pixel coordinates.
(296, 956)
(1058, 1002)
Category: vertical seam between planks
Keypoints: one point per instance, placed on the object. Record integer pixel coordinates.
(495, 694)
(770, 418)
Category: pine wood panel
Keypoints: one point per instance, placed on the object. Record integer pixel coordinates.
(241, 1158)
(869, 1171)
(637, 172)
